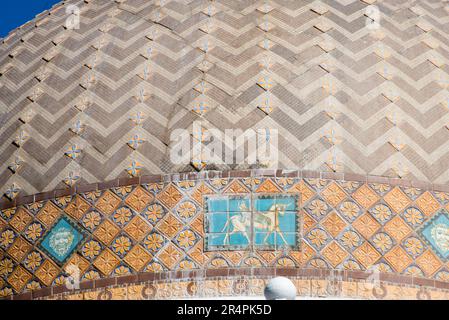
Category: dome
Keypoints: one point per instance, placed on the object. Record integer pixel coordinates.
(224, 143)
(100, 102)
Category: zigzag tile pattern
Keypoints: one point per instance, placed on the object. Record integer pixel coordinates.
(72, 100)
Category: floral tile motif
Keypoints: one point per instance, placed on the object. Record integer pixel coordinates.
(106, 262)
(170, 196)
(397, 200)
(334, 253)
(18, 278)
(333, 194)
(19, 249)
(107, 203)
(367, 255)
(138, 228)
(428, 204)
(20, 220)
(137, 258)
(62, 240)
(436, 233)
(166, 226)
(366, 225)
(398, 259)
(429, 263)
(365, 196)
(139, 199)
(77, 208)
(48, 214)
(47, 272)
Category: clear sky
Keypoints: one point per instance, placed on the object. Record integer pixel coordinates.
(14, 13)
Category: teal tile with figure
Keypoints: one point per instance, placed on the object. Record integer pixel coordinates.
(268, 222)
(62, 240)
(275, 221)
(436, 234)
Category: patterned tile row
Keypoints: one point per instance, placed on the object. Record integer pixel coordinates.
(254, 286)
(159, 227)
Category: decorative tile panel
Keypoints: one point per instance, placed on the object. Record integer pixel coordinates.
(221, 223)
(62, 240)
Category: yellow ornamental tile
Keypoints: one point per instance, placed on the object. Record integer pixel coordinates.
(138, 228)
(235, 187)
(19, 249)
(334, 254)
(398, 259)
(268, 186)
(198, 224)
(106, 232)
(170, 256)
(366, 225)
(21, 219)
(18, 278)
(106, 262)
(305, 192)
(77, 208)
(268, 257)
(198, 255)
(429, 263)
(333, 194)
(78, 262)
(397, 228)
(201, 191)
(334, 224)
(233, 256)
(169, 225)
(365, 196)
(137, 258)
(308, 222)
(427, 203)
(107, 203)
(47, 272)
(170, 196)
(366, 255)
(397, 200)
(48, 214)
(139, 199)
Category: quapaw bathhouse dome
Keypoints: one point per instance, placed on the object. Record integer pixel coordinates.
(354, 92)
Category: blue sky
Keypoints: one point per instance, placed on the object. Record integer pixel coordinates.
(14, 13)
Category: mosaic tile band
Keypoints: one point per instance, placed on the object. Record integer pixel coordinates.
(161, 226)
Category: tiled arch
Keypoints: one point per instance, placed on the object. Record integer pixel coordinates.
(348, 223)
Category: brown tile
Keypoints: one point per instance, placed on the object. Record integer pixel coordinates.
(108, 184)
(146, 276)
(332, 175)
(222, 272)
(151, 179)
(86, 285)
(421, 185)
(395, 278)
(123, 182)
(441, 187)
(5, 203)
(86, 188)
(22, 200)
(23, 296)
(442, 285)
(377, 179)
(286, 272)
(44, 292)
(102, 283)
(134, 278)
(310, 174)
(64, 192)
(423, 282)
(355, 177)
(44, 196)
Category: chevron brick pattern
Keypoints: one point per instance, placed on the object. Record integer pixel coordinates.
(99, 103)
